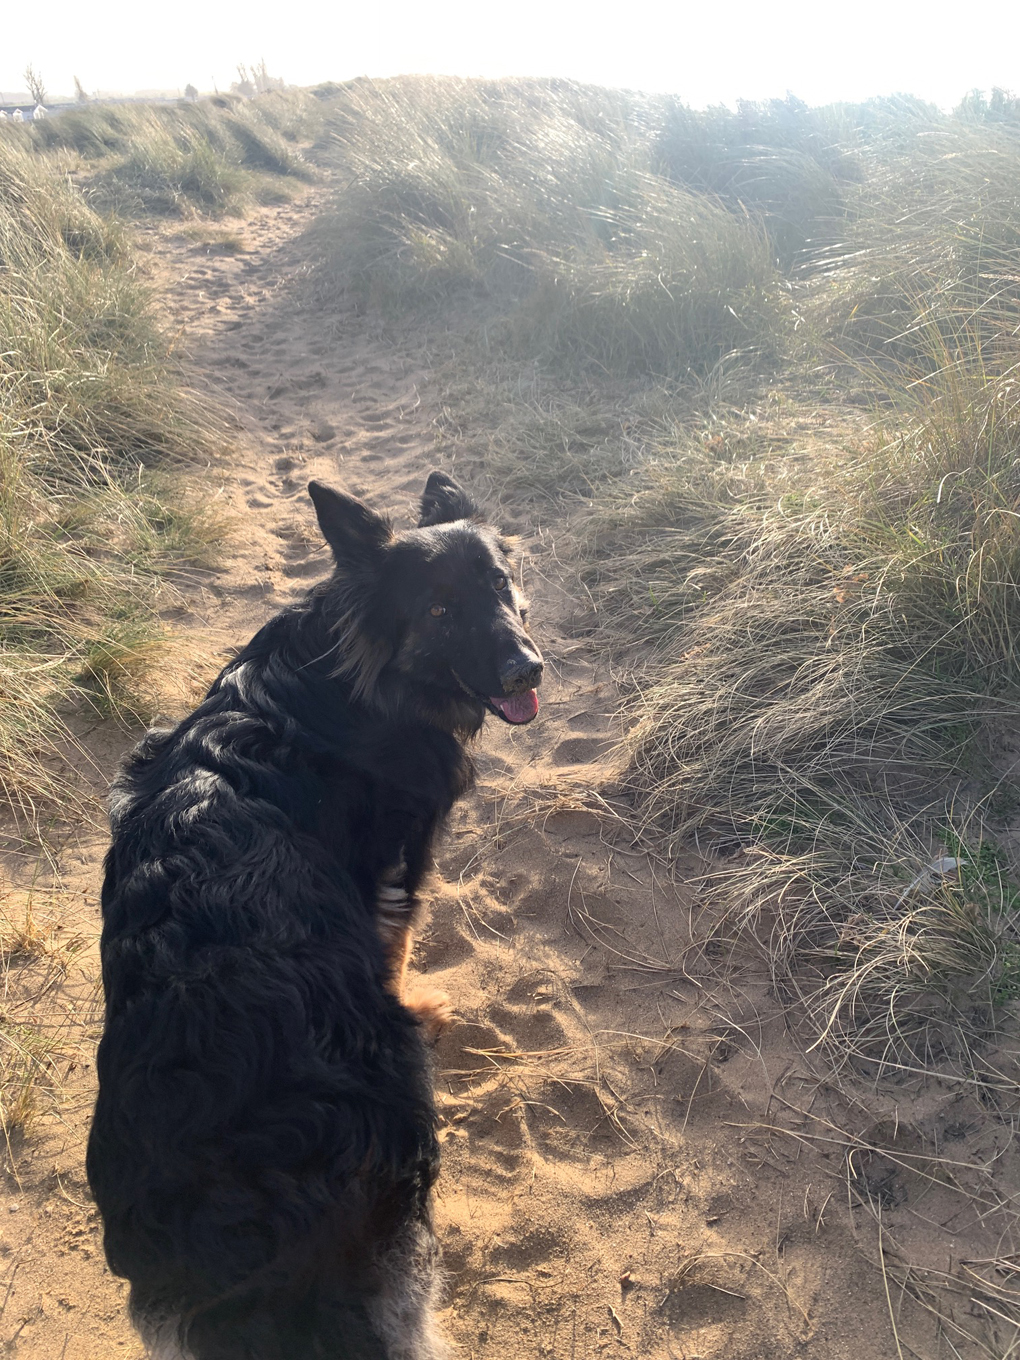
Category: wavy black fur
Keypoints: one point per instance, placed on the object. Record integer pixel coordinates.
(264, 1144)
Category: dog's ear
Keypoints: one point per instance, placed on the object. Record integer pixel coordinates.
(443, 501)
(348, 526)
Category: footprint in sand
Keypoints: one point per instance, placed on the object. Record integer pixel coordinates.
(445, 943)
(468, 1047)
(689, 1307)
(536, 1028)
(566, 1117)
(308, 382)
(495, 1138)
(527, 1247)
(300, 567)
(383, 440)
(587, 721)
(579, 750)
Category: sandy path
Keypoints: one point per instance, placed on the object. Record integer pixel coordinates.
(610, 1181)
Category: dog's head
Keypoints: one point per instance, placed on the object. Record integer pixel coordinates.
(431, 623)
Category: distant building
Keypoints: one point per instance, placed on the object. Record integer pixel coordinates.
(27, 113)
(20, 110)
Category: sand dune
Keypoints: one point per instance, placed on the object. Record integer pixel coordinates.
(614, 1179)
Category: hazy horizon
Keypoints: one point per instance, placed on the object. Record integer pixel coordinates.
(703, 54)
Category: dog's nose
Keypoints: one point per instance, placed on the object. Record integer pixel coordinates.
(520, 673)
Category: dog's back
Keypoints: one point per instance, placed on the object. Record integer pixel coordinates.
(263, 1142)
(264, 1146)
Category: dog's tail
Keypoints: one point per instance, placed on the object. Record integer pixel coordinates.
(318, 1319)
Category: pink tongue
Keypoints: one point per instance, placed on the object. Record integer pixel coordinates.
(518, 708)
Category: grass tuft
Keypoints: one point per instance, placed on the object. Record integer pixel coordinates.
(90, 400)
(835, 622)
(212, 157)
(538, 202)
(36, 950)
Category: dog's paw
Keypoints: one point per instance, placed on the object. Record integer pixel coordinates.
(432, 1006)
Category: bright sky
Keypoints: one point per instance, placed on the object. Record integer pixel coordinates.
(707, 52)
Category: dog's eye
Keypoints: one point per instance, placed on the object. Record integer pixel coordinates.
(437, 611)
(500, 581)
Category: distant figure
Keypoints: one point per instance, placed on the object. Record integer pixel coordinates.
(38, 112)
(17, 116)
(4, 115)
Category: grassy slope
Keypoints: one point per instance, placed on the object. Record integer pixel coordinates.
(212, 157)
(771, 356)
(830, 595)
(98, 436)
(95, 420)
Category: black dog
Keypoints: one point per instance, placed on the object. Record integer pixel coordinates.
(264, 1142)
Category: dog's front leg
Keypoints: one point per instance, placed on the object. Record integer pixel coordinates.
(396, 910)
